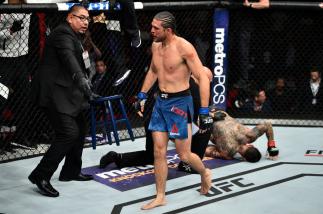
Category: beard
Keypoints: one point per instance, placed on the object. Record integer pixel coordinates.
(159, 39)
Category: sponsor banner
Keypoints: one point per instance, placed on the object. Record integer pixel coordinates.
(220, 61)
(134, 177)
(92, 6)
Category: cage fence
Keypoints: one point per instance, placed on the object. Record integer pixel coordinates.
(272, 55)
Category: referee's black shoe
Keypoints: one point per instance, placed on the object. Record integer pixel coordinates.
(44, 186)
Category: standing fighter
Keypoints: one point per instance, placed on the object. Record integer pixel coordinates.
(231, 137)
(172, 60)
(199, 141)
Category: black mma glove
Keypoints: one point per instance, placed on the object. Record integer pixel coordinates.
(205, 119)
(16, 26)
(272, 150)
(140, 102)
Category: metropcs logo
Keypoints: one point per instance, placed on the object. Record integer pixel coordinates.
(128, 178)
(136, 171)
(219, 76)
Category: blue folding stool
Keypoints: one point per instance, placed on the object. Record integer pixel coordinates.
(109, 120)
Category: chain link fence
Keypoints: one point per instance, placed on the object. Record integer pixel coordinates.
(274, 54)
(271, 54)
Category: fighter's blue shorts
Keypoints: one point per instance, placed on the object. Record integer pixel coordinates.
(172, 114)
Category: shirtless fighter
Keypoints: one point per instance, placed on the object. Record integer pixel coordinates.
(173, 60)
(230, 137)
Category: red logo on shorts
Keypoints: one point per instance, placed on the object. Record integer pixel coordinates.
(174, 129)
(179, 111)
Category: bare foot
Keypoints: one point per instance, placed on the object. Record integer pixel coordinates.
(154, 203)
(206, 181)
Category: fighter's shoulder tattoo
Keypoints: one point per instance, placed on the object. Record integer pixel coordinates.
(225, 135)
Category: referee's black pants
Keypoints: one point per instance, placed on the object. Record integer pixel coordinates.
(69, 140)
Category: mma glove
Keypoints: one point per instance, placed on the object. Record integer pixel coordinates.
(16, 26)
(141, 100)
(205, 119)
(272, 150)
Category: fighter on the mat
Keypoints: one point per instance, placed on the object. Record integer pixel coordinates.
(231, 137)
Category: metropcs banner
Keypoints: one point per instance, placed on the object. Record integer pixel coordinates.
(220, 61)
(93, 6)
(128, 178)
